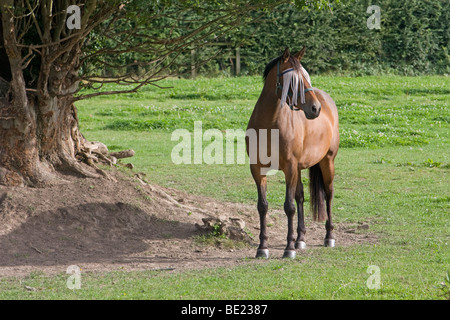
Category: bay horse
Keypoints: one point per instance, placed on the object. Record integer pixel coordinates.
(308, 137)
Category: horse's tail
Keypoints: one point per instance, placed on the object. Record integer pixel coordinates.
(317, 193)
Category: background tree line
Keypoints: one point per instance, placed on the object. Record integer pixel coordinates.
(413, 40)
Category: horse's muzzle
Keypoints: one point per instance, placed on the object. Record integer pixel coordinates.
(314, 112)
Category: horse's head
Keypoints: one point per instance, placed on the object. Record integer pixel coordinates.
(293, 82)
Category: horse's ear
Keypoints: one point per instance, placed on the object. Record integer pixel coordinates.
(299, 55)
(286, 55)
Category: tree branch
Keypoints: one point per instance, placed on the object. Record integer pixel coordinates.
(33, 16)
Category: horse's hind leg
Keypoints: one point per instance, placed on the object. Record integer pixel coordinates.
(299, 198)
(327, 168)
(261, 185)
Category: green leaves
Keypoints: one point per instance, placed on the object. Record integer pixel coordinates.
(413, 38)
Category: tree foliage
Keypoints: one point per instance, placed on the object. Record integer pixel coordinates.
(413, 39)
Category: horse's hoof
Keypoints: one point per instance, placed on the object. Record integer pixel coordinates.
(262, 253)
(329, 243)
(300, 245)
(289, 254)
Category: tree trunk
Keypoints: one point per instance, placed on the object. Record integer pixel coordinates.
(42, 148)
(30, 155)
(39, 134)
(18, 142)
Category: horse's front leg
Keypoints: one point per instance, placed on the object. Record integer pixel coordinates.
(261, 185)
(291, 175)
(299, 198)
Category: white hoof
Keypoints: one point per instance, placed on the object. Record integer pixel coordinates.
(329, 243)
(300, 245)
(289, 254)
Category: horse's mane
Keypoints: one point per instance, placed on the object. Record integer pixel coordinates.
(295, 64)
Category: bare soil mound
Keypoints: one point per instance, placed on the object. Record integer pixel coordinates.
(101, 225)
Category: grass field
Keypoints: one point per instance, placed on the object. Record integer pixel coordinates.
(392, 172)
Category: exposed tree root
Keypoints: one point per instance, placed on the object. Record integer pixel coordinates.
(92, 153)
(168, 198)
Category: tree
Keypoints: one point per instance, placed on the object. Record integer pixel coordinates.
(50, 50)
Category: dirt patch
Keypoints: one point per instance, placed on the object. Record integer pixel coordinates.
(101, 225)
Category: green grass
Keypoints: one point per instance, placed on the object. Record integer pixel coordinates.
(378, 114)
(340, 273)
(392, 171)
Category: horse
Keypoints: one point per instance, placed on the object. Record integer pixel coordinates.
(308, 137)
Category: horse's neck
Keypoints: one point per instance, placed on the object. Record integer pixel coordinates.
(268, 104)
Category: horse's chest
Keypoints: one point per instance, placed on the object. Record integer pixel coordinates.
(306, 145)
